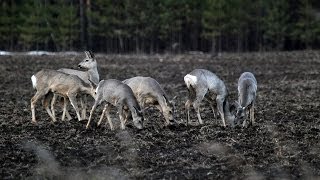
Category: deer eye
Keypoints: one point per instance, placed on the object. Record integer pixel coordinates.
(87, 60)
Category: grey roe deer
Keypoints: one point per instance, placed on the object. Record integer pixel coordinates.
(68, 86)
(149, 92)
(201, 82)
(120, 95)
(90, 75)
(247, 92)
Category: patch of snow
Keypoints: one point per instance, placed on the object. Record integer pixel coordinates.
(5, 53)
(39, 53)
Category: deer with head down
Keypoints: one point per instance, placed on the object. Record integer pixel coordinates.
(247, 92)
(120, 95)
(149, 92)
(68, 86)
(201, 82)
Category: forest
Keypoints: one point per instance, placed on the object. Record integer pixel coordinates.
(157, 26)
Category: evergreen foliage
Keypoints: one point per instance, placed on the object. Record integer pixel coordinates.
(122, 26)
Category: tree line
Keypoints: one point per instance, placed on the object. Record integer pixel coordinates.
(152, 26)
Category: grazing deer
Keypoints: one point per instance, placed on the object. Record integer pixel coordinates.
(118, 94)
(201, 82)
(149, 92)
(247, 91)
(90, 64)
(48, 81)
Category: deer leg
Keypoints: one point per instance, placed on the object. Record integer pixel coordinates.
(121, 116)
(196, 104)
(220, 100)
(83, 101)
(46, 106)
(65, 103)
(200, 93)
(187, 107)
(91, 112)
(167, 121)
(73, 102)
(252, 114)
(53, 101)
(34, 100)
(102, 114)
(212, 105)
(213, 110)
(143, 110)
(96, 103)
(108, 118)
(127, 115)
(67, 113)
(245, 123)
(106, 110)
(65, 110)
(198, 115)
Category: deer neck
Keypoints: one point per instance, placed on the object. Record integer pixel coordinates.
(87, 90)
(94, 75)
(226, 108)
(132, 104)
(162, 101)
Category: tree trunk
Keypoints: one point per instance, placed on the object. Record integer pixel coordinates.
(239, 43)
(120, 44)
(220, 43)
(82, 25)
(213, 46)
(151, 50)
(88, 9)
(137, 44)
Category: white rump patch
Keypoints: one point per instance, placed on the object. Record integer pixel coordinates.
(34, 81)
(190, 80)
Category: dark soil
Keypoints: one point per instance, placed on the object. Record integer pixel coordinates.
(284, 143)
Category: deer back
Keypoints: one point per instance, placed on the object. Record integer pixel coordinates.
(247, 87)
(204, 79)
(114, 91)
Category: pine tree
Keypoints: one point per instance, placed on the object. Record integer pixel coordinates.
(213, 18)
(307, 27)
(275, 23)
(108, 22)
(66, 30)
(8, 21)
(34, 28)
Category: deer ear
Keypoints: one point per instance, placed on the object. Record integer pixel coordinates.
(87, 54)
(91, 54)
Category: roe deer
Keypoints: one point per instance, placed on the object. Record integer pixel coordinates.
(118, 94)
(48, 81)
(201, 82)
(91, 74)
(149, 92)
(247, 91)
